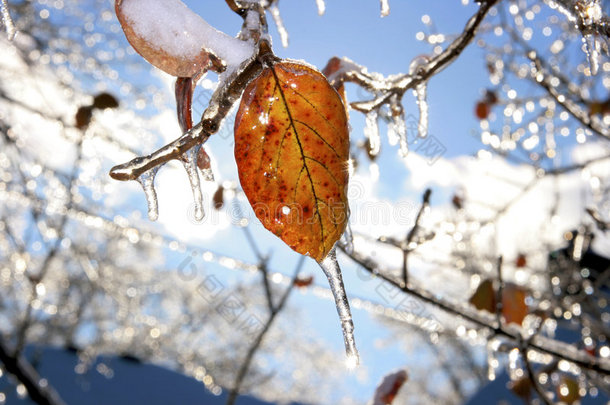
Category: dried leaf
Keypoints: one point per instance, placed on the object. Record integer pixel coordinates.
(521, 260)
(219, 197)
(388, 388)
(303, 281)
(514, 308)
(482, 110)
(174, 62)
(522, 388)
(83, 117)
(292, 148)
(484, 298)
(183, 90)
(105, 100)
(567, 390)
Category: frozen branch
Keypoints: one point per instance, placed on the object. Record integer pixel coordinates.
(552, 347)
(386, 88)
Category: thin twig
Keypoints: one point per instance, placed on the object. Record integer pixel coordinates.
(411, 235)
(241, 374)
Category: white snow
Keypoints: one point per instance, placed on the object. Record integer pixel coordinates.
(172, 27)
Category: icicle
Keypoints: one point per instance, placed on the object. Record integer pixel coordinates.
(204, 164)
(321, 7)
(421, 91)
(385, 7)
(371, 131)
(275, 14)
(189, 160)
(591, 46)
(331, 268)
(9, 26)
(147, 181)
(397, 133)
(421, 94)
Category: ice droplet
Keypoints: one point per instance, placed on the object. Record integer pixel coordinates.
(371, 131)
(147, 181)
(385, 7)
(277, 19)
(331, 268)
(592, 50)
(9, 26)
(189, 161)
(321, 7)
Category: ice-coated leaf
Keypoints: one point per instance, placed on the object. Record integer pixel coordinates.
(292, 149)
(176, 40)
(388, 387)
(484, 298)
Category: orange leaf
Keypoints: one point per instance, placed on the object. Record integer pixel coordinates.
(291, 148)
(484, 298)
(514, 308)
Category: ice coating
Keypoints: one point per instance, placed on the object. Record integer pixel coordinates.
(321, 7)
(385, 7)
(169, 25)
(331, 268)
(9, 26)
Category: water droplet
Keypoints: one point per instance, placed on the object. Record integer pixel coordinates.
(147, 181)
(331, 268)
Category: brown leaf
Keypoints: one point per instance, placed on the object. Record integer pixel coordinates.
(522, 388)
(183, 90)
(303, 281)
(482, 110)
(105, 100)
(179, 66)
(292, 148)
(521, 260)
(83, 117)
(388, 389)
(219, 197)
(567, 390)
(484, 298)
(514, 308)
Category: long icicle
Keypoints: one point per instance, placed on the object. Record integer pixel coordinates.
(331, 268)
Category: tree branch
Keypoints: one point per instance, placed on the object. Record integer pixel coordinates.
(27, 375)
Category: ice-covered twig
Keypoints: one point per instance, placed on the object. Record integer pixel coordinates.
(555, 348)
(7, 20)
(545, 79)
(406, 249)
(220, 105)
(386, 87)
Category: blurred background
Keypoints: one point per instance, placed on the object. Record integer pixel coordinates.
(103, 305)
